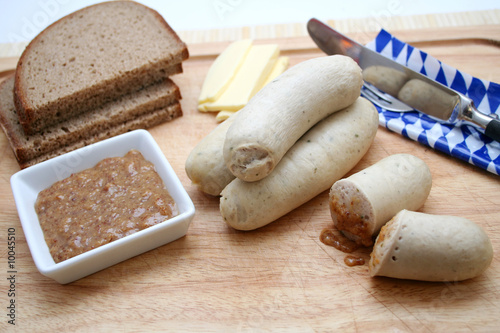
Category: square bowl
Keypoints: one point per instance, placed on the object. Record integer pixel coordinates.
(27, 183)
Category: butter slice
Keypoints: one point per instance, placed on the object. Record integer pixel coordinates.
(280, 66)
(223, 70)
(248, 80)
(223, 115)
(278, 69)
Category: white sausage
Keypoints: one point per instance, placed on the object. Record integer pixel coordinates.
(205, 164)
(362, 203)
(424, 97)
(281, 112)
(322, 156)
(429, 247)
(387, 79)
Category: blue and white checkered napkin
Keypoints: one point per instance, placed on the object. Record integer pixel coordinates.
(460, 140)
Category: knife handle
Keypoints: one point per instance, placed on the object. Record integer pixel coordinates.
(493, 129)
(488, 122)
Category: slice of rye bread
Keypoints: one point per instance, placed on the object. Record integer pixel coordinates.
(145, 121)
(93, 56)
(28, 147)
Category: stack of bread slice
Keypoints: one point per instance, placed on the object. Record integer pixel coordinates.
(98, 72)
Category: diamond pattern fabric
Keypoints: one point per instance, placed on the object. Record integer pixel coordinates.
(460, 140)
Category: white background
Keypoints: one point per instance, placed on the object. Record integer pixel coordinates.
(21, 20)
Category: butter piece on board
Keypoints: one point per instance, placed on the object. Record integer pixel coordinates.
(248, 80)
(223, 70)
(279, 67)
(223, 115)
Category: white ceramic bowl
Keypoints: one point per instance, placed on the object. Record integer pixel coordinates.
(27, 183)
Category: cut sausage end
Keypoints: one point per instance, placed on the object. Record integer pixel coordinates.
(251, 162)
(383, 244)
(362, 203)
(351, 212)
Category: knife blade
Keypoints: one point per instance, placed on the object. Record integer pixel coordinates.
(402, 83)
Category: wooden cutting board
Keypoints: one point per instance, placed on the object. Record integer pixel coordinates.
(280, 277)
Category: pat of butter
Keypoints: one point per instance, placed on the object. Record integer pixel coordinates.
(248, 79)
(278, 69)
(223, 70)
(223, 115)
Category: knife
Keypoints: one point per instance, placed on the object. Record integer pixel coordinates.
(403, 84)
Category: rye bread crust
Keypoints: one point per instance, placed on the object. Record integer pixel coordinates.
(56, 80)
(125, 108)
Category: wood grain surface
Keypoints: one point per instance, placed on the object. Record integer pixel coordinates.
(279, 277)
